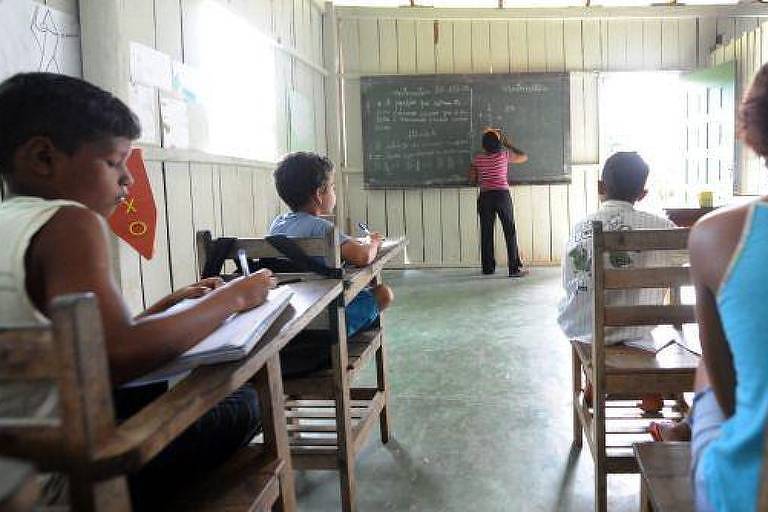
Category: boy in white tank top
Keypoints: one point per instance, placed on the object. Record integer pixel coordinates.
(63, 150)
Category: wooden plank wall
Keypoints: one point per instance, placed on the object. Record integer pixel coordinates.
(749, 48)
(226, 195)
(442, 223)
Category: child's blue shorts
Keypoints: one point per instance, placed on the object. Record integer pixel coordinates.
(361, 312)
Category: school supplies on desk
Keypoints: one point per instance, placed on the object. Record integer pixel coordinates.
(367, 231)
(233, 340)
(663, 336)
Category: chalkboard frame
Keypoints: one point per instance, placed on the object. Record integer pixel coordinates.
(470, 78)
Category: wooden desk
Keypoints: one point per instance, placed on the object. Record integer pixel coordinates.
(357, 278)
(686, 217)
(666, 476)
(18, 486)
(141, 437)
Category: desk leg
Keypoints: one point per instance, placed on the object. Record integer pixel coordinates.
(382, 371)
(270, 387)
(383, 385)
(344, 434)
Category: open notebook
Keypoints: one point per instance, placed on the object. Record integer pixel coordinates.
(232, 341)
(663, 336)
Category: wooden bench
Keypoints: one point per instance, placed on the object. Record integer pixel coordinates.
(620, 375)
(85, 443)
(329, 420)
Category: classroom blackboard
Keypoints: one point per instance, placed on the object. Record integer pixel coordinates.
(423, 130)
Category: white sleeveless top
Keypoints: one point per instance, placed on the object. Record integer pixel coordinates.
(21, 217)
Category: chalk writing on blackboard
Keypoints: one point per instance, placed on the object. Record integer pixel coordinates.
(423, 130)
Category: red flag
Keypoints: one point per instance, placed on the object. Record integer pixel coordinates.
(134, 220)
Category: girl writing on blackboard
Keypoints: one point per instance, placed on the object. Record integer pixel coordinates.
(489, 171)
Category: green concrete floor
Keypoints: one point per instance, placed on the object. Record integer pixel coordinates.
(481, 412)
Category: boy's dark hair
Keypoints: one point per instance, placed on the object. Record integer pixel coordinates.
(299, 175)
(67, 110)
(624, 176)
(491, 142)
(752, 124)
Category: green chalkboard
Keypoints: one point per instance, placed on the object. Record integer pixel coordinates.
(423, 130)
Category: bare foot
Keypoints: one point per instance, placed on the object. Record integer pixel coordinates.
(671, 431)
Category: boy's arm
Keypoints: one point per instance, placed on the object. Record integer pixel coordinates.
(575, 260)
(134, 346)
(359, 253)
(192, 291)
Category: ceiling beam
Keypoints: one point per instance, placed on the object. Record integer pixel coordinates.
(582, 12)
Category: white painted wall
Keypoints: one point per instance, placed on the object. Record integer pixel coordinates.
(441, 224)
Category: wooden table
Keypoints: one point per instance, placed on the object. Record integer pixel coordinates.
(144, 435)
(686, 217)
(18, 486)
(357, 278)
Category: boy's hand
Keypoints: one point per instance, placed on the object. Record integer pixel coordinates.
(192, 291)
(253, 289)
(200, 288)
(376, 237)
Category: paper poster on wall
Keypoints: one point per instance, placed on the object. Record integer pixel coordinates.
(302, 122)
(187, 81)
(143, 101)
(38, 38)
(150, 67)
(175, 122)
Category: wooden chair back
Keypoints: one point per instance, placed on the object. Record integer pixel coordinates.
(69, 355)
(322, 247)
(606, 279)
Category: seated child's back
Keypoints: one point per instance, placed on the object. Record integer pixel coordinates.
(622, 184)
(305, 182)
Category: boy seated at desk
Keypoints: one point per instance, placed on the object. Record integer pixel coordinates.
(621, 186)
(63, 150)
(305, 182)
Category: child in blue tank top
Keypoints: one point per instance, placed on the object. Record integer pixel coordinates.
(728, 252)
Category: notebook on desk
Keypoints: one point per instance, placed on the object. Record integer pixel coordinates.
(663, 336)
(233, 340)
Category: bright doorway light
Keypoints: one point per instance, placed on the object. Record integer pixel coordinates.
(645, 112)
(237, 64)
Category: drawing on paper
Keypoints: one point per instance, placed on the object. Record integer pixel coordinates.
(50, 37)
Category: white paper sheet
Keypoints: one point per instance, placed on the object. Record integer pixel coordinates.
(150, 67)
(175, 123)
(38, 38)
(143, 102)
(187, 82)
